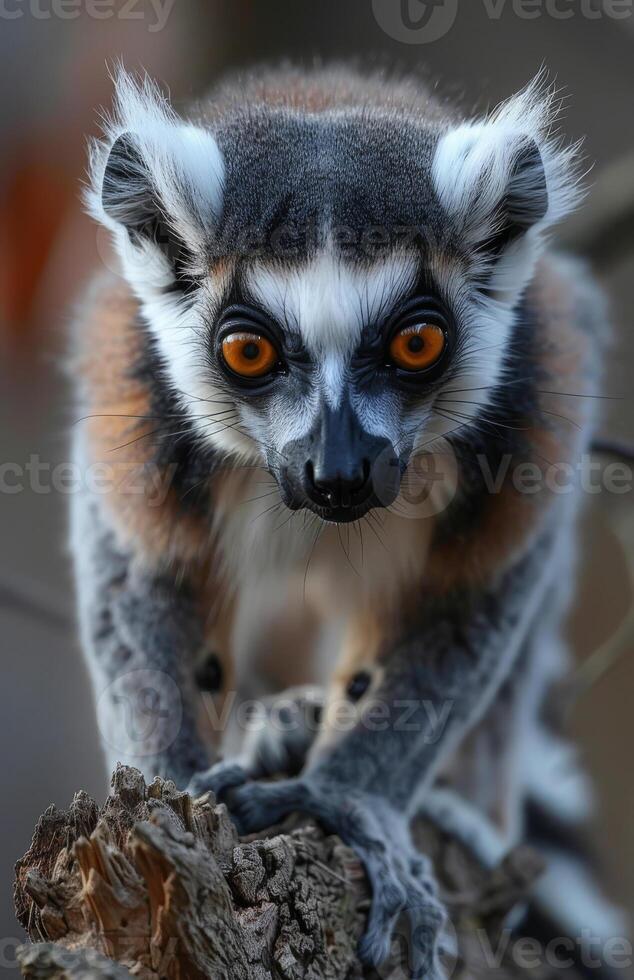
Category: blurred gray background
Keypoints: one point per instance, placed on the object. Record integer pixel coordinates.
(53, 74)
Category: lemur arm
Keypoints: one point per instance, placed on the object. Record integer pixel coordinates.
(366, 784)
(141, 633)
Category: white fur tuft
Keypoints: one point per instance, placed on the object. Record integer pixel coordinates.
(185, 170)
(473, 168)
(473, 162)
(473, 172)
(184, 166)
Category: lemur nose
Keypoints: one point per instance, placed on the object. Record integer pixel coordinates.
(336, 489)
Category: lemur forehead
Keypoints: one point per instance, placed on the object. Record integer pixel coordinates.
(329, 301)
(294, 179)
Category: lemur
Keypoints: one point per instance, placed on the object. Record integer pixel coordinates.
(329, 282)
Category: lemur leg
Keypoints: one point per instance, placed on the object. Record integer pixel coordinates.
(481, 797)
(486, 770)
(142, 634)
(513, 754)
(366, 782)
(456, 816)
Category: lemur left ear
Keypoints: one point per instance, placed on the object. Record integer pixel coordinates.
(505, 177)
(156, 183)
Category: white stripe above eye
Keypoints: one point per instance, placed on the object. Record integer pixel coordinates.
(328, 301)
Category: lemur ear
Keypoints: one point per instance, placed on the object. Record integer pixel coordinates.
(128, 196)
(156, 183)
(525, 202)
(503, 177)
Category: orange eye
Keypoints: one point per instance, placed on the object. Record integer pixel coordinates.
(249, 354)
(417, 347)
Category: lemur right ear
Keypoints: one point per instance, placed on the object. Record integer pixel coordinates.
(504, 176)
(156, 184)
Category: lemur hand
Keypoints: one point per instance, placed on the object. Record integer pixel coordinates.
(218, 779)
(282, 730)
(400, 876)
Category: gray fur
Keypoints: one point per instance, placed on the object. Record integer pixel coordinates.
(141, 635)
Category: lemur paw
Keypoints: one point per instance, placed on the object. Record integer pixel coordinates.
(400, 876)
(218, 779)
(255, 806)
(402, 884)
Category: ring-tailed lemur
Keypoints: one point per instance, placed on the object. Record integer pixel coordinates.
(329, 282)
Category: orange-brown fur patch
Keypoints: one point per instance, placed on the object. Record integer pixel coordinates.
(327, 89)
(121, 433)
(365, 638)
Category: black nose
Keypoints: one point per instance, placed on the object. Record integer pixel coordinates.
(334, 488)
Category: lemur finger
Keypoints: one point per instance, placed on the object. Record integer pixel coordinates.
(395, 893)
(426, 918)
(360, 829)
(256, 806)
(388, 901)
(287, 727)
(401, 882)
(218, 779)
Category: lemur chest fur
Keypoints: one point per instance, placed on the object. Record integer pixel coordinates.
(339, 571)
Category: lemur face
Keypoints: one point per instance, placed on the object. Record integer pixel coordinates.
(334, 366)
(330, 291)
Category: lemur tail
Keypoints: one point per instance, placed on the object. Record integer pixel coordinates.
(568, 913)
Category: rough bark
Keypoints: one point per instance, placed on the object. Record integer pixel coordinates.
(156, 885)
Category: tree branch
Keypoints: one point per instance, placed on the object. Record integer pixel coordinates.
(156, 885)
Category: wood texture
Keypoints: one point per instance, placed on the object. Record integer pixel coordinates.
(158, 886)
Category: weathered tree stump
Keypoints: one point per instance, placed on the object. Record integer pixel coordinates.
(156, 885)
